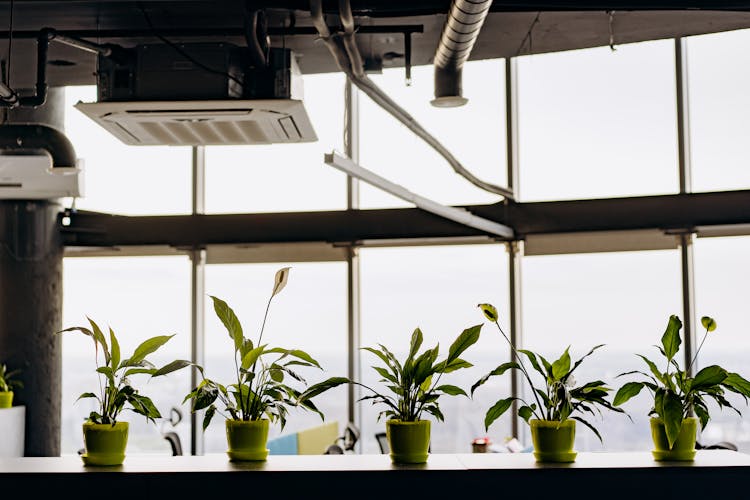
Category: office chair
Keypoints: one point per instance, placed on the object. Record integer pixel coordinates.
(175, 417)
(382, 440)
(722, 445)
(348, 440)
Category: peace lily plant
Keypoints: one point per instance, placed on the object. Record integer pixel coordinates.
(678, 396)
(261, 392)
(8, 383)
(105, 436)
(415, 388)
(557, 403)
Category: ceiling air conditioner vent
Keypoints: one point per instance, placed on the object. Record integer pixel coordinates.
(209, 122)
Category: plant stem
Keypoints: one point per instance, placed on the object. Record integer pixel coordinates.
(520, 364)
(263, 327)
(696, 352)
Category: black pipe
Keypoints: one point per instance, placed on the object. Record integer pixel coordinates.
(30, 137)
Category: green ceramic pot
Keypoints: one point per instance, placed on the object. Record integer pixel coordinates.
(553, 441)
(683, 449)
(409, 441)
(247, 439)
(104, 443)
(6, 399)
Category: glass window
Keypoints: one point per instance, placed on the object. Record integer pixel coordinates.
(473, 133)
(139, 298)
(284, 177)
(309, 314)
(721, 292)
(122, 179)
(622, 300)
(437, 289)
(595, 123)
(719, 106)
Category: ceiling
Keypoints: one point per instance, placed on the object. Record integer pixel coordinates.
(511, 28)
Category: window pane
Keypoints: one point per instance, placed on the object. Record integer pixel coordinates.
(474, 134)
(284, 177)
(595, 123)
(622, 300)
(721, 283)
(133, 180)
(308, 314)
(139, 298)
(719, 106)
(437, 289)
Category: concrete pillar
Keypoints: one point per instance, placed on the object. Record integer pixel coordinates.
(31, 253)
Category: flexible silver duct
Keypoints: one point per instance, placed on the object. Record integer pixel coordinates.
(460, 31)
(344, 49)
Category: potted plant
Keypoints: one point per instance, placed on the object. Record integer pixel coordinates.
(105, 437)
(678, 397)
(415, 384)
(8, 382)
(260, 393)
(558, 404)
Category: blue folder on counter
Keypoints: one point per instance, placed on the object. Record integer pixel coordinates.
(283, 445)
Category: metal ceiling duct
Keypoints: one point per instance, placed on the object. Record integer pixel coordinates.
(461, 29)
(343, 48)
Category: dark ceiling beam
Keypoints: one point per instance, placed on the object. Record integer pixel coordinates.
(667, 212)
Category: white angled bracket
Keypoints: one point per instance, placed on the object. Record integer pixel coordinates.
(459, 215)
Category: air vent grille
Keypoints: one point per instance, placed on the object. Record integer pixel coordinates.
(212, 122)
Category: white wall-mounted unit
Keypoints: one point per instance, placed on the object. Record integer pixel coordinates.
(32, 177)
(209, 122)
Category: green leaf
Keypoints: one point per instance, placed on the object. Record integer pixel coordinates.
(435, 412)
(173, 366)
(490, 312)
(379, 354)
(451, 390)
(454, 365)
(587, 424)
(148, 346)
(99, 337)
(416, 343)
(577, 363)
(210, 412)
(295, 353)
(654, 370)
(526, 412)
(115, 355)
(323, 386)
(135, 371)
(672, 416)
(533, 361)
(467, 338)
(385, 374)
(497, 371)
(496, 411)
(708, 377)
(424, 366)
(276, 375)
(252, 356)
(230, 321)
(671, 338)
(107, 371)
(561, 366)
(738, 384)
(627, 391)
(708, 323)
(86, 395)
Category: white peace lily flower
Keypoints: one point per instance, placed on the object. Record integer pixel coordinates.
(571, 381)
